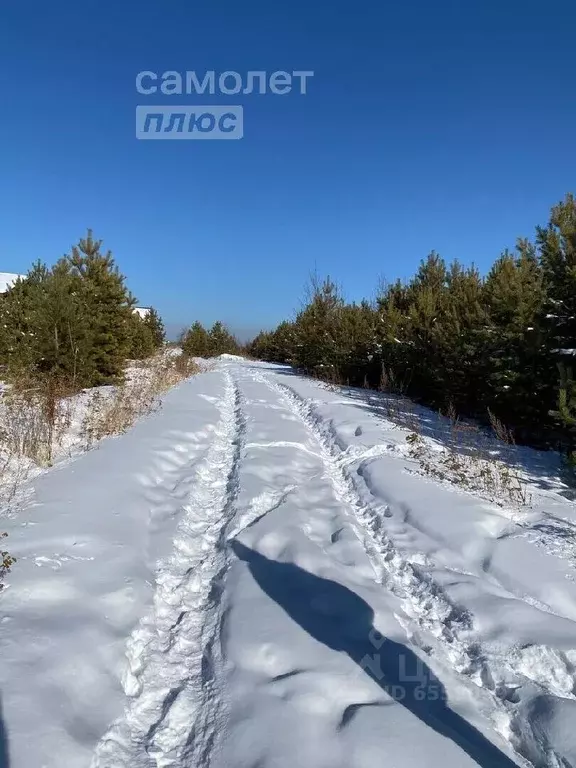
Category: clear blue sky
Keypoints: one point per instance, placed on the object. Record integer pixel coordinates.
(428, 125)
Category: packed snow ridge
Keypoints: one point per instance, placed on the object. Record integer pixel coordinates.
(257, 576)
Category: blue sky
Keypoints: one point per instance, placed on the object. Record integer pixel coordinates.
(427, 125)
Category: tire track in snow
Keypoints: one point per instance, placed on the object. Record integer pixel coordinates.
(366, 518)
(423, 600)
(174, 654)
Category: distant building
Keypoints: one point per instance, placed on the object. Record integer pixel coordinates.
(142, 311)
(7, 280)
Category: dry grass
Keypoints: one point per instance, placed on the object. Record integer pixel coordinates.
(13, 475)
(500, 430)
(113, 413)
(36, 416)
(468, 456)
(475, 470)
(463, 454)
(392, 384)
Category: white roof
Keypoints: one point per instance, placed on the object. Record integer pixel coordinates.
(142, 311)
(7, 279)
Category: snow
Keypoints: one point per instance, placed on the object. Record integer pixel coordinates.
(7, 279)
(68, 442)
(70, 437)
(259, 575)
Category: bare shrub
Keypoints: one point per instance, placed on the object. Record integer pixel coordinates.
(452, 416)
(23, 430)
(13, 474)
(113, 412)
(34, 415)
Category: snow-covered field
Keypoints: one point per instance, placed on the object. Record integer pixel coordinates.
(258, 576)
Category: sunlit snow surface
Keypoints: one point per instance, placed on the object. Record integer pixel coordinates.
(257, 575)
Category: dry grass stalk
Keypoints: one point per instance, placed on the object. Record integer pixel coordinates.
(500, 430)
(113, 413)
(476, 471)
(34, 415)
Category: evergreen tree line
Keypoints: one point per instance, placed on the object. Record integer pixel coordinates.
(503, 343)
(196, 341)
(74, 322)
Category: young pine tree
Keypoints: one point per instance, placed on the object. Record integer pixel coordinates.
(108, 305)
(19, 348)
(221, 341)
(426, 333)
(155, 326)
(565, 415)
(514, 298)
(461, 364)
(195, 341)
(48, 333)
(315, 347)
(141, 340)
(557, 248)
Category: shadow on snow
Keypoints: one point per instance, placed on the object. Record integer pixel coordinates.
(338, 618)
(4, 757)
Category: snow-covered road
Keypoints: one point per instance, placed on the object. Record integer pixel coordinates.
(256, 577)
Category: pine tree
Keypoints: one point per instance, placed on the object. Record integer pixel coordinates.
(64, 328)
(356, 345)
(424, 343)
(73, 324)
(142, 344)
(108, 305)
(566, 413)
(557, 247)
(514, 296)
(48, 332)
(459, 368)
(195, 341)
(260, 347)
(316, 327)
(274, 346)
(393, 358)
(505, 343)
(221, 341)
(282, 343)
(155, 326)
(18, 340)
